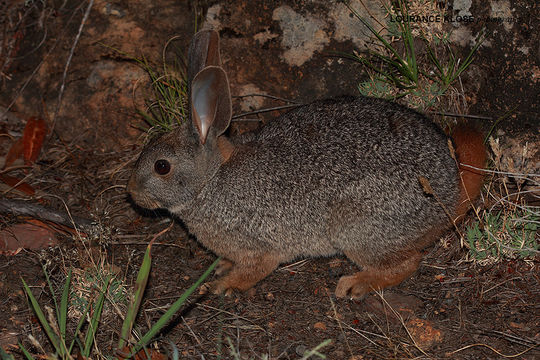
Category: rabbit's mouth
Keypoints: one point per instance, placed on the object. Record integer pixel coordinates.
(145, 201)
(140, 198)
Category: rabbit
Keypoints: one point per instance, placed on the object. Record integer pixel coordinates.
(355, 176)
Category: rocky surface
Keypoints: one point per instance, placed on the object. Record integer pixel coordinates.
(281, 48)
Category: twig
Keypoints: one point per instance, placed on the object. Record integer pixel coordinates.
(298, 264)
(369, 13)
(191, 331)
(246, 120)
(400, 318)
(34, 72)
(26, 208)
(463, 115)
(8, 45)
(12, 168)
(236, 316)
(513, 174)
(336, 317)
(267, 96)
(494, 350)
(160, 233)
(68, 62)
(266, 110)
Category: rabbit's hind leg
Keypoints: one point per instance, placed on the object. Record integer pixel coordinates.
(245, 273)
(376, 277)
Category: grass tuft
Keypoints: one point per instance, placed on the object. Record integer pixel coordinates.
(166, 106)
(81, 342)
(509, 227)
(505, 234)
(395, 66)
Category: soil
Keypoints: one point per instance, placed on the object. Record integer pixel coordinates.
(450, 308)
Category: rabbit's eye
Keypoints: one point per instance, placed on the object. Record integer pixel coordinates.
(162, 167)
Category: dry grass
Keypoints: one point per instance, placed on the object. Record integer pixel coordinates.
(506, 227)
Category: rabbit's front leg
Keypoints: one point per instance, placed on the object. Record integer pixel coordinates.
(245, 272)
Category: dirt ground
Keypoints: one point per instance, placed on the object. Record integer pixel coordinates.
(450, 308)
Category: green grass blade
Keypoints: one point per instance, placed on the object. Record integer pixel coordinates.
(394, 80)
(78, 329)
(64, 301)
(163, 320)
(412, 67)
(53, 337)
(146, 117)
(385, 43)
(94, 322)
(25, 352)
(315, 351)
(434, 59)
(408, 40)
(408, 68)
(49, 283)
(169, 91)
(368, 63)
(468, 60)
(140, 286)
(62, 340)
(388, 60)
(398, 65)
(498, 120)
(5, 356)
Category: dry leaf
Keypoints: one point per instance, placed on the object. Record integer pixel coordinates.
(25, 236)
(426, 186)
(17, 184)
(14, 153)
(33, 136)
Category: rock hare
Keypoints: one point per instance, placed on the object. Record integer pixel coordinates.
(357, 176)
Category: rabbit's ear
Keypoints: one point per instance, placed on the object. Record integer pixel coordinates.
(203, 52)
(211, 106)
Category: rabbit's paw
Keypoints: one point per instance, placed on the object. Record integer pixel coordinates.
(205, 288)
(215, 287)
(379, 277)
(223, 267)
(354, 286)
(226, 286)
(243, 274)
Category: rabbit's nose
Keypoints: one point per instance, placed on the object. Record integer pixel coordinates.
(131, 185)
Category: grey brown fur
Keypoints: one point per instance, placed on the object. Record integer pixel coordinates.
(291, 187)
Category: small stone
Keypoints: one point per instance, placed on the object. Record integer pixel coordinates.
(300, 350)
(519, 326)
(424, 333)
(439, 277)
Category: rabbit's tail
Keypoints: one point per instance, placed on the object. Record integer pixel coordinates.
(471, 156)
